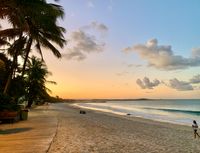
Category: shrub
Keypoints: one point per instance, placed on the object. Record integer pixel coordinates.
(6, 103)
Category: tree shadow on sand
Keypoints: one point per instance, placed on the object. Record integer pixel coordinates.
(14, 130)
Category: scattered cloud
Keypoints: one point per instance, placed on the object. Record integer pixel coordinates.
(81, 42)
(162, 56)
(86, 42)
(195, 79)
(96, 26)
(180, 85)
(172, 83)
(147, 84)
(184, 85)
(74, 54)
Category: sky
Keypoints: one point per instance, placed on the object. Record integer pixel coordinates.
(128, 49)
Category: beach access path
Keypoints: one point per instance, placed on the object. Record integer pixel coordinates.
(59, 128)
(31, 136)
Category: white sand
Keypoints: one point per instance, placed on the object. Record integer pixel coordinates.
(106, 133)
(61, 129)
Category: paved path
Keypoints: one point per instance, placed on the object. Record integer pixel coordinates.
(32, 136)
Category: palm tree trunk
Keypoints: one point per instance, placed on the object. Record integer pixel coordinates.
(12, 69)
(27, 51)
(11, 73)
(7, 83)
(30, 102)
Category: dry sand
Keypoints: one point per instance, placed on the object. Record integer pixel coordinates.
(97, 132)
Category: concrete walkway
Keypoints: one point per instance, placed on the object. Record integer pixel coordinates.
(32, 136)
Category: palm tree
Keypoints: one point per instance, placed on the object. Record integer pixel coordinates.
(4, 67)
(14, 50)
(43, 30)
(36, 75)
(36, 22)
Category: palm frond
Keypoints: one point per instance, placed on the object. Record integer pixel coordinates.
(52, 82)
(3, 42)
(47, 44)
(39, 49)
(10, 33)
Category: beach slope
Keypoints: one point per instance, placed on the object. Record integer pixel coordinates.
(107, 133)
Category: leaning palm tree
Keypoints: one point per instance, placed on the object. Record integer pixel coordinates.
(43, 30)
(36, 22)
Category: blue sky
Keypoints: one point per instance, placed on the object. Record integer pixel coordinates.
(129, 23)
(173, 21)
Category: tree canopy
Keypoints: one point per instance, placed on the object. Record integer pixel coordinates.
(34, 26)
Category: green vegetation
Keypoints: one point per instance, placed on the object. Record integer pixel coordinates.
(33, 27)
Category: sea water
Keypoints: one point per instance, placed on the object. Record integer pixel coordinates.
(182, 111)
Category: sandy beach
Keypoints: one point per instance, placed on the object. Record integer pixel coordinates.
(59, 128)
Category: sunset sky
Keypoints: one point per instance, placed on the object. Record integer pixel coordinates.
(128, 49)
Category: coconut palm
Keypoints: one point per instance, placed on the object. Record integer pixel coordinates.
(36, 74)
(36, 22)
(14, 50)
(43, 30)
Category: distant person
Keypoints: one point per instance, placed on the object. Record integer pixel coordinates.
(195, 128)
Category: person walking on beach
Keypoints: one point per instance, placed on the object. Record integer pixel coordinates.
(195, 128)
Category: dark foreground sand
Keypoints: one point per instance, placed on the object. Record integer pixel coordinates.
(96, 132)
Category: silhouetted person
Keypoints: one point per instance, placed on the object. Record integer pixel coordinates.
(195, 128)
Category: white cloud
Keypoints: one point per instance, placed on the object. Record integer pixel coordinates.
(180, 85)
(83, 44)
(83, 41)
(172, 83)
(162, 56)
(86, 42)
(100, 27)
(147, 84)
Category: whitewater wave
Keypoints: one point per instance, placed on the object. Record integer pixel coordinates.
(193, 112)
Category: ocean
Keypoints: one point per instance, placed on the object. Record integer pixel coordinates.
(181, 111)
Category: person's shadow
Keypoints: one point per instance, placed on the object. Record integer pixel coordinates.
(14, 130)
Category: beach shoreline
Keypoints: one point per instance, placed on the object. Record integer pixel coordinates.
(103, 132)
(125, 116)
(98, 132)
(169, 111)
